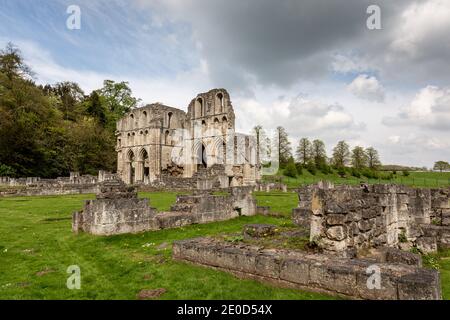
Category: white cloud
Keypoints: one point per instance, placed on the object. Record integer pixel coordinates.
(430, 109)
(176, 91)
(367, 88)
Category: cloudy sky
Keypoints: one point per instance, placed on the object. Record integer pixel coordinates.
(311, 66)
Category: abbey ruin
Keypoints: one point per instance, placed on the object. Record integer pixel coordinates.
(161, 145)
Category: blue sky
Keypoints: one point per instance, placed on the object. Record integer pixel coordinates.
(311, 66)
(114, 37)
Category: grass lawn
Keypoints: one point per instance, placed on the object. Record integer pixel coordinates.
(417, 179)
(37, 246)
(279, 202)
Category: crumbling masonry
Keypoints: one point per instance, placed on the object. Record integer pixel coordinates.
(163, 146)
(345, 219)
(118, 210)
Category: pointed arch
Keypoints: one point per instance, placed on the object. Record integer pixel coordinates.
(130, 155)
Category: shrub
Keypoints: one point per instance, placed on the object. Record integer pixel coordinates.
(370, 174)
(405, 173)
(291, 170)
(341, 172)
(311, 168)
(325, 169)
(355, 172)
(7, 171)
(299, 168)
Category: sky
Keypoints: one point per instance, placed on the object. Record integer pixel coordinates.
(311, 66)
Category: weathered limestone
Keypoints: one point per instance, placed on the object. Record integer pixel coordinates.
(315, 272)
(158, 144)
(345, 219)
(117, 210)
(35, 186)
(269, 187)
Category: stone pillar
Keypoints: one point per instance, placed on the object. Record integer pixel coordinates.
(140, 171)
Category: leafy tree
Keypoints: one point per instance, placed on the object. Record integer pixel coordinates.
(69, 95)
(95, 107)
(373, 159)
(6, 171)
(48, 131)
(441, 166)
(319, 154)
(118, 97)
(359, 158)
(341, 154)
(304, 151)
(12, 64)
(283, 146)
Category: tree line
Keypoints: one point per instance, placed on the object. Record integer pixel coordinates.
(312, 156)
(50, 130)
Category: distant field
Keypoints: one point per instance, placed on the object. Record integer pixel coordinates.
(416, 179)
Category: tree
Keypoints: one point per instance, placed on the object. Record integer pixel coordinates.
(304, 151)
(69, 95)
(373, 159)
(284, 146)
(47, 131)
(359, 158)
(95, 107)
(341, 154)
(319, 154)
(118, 97)
(12, 64)
(441, 166)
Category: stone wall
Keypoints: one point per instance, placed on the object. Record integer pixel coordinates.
(345, 219)
(35, 186)
(268, 187)
(314, 272)
(117, 210)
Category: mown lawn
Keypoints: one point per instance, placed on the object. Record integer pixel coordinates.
(37, 246)
(279, 202)
(416, 179)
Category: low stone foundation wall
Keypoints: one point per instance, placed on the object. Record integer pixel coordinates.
(314, 272)
(35, 186)
(271, 186)
(117, 210)
(49, 190)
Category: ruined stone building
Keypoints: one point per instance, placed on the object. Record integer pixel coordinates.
(158, 144)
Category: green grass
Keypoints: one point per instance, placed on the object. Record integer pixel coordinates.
(35, 235)
(442, 261)
(416, 179)
(279, 202)
(162, 201)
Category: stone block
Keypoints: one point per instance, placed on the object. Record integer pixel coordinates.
(337, 233)
(424, 284)
(427, 244)
(398, 256)
(335, 219)
(295, 271)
